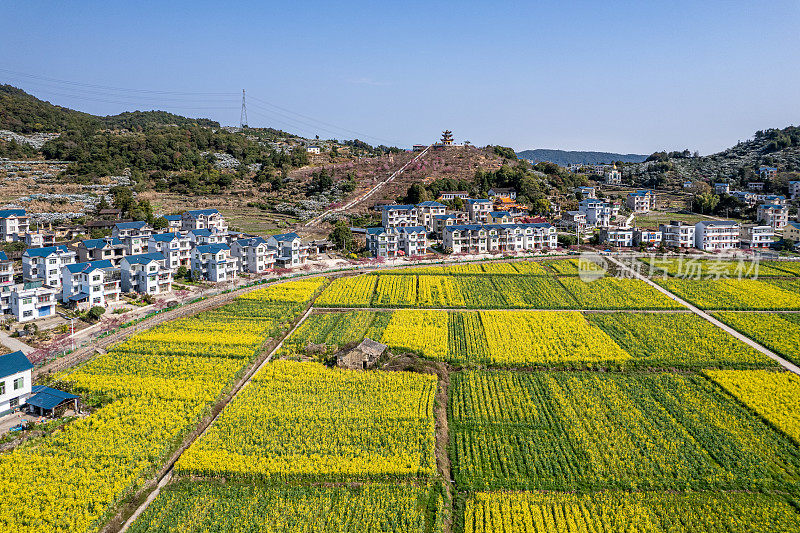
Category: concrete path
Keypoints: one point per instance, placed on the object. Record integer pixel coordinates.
(702, 314)
(15, 344)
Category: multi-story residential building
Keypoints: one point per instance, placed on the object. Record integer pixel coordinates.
(574, 220)
(722, 187)
(291, 251)
(397, 241)
(792, 231)
(641, 201)
(773, 215)
(90, 284)
(203, 219)
(205, 236)
(441, 221)
(617, 236)
(45, 264)
(794, 190)
(598, 213)
(6, 270)
(452, 195)
(747, 197)
(146, 274)
(135, 244)
(503, 192)
(255, 256)
(125, 229)
(777, 199)
(479, 209)
(173, 223)
(647, 237)
(109, 248)
(753, 236)
(13, 223)
(755, 186)
(715, 235)
(39, 239)
(586, 192)
(173, 246)
(612, 176)
(499, 217)
(427, 212)
(677, 234)
(766, 172)
(399, 215)
(213, 262)
(32, 300)
(15, 381)
(480, 238)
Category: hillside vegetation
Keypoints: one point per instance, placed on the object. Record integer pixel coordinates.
(564, 157)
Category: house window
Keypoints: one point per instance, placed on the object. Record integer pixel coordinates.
(2, 388)
(13, 402)
(96, 300)
(26, 314)
(18, 383)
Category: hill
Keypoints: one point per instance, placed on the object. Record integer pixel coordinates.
(564, 157)
(739, 164)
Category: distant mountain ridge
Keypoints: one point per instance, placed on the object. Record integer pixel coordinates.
(566, 157)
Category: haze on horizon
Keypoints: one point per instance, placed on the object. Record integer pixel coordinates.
(614, 76)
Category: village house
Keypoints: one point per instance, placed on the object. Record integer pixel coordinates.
(203, 219)
(794, 189)
(755, 186)
(90, 284)
(173, 223)
(125, 229)
(6, 270)
(586, 192)
(641, 201)
(173, 246)
(13, 223)
(598, 213)
(647, 237)
(479, 238)
(39, 239)
(722, 187)
(677, 234)
(255, 256)
(499, 217)
(792, 231)
(767, 173)
(501, 192)
(290, 251)
(716, 235)
(45, 264)
(773, 215)
(399, 215)
(198, 237)
(15, 381)
(29, 300)
(479, 209)
(146, 274)
(574, 220)
(617, 237)
(395, 242)
(755, 236)
(213, 262)
(108, 248)
(441, 221)
(446, 196)
(426, 213)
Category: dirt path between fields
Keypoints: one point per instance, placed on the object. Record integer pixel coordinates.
(443, 439)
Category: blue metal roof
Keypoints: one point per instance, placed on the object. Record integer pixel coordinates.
(45, 251)
(91, 244)
(430, 203)
(48, 398)
(413, 229)
(137, 224)
(3, 256)
(281, 237)
(500, 214)
(172, 218)
(376, 231)
(142, 259)
(81, 296)
(250, 241)
(211, 248)
(198, 212)
(88, 266)
(772, 206)
(398, 207)
(165, 237)
(13, 363)
(5, 213)
(478, 201)
(203, 232)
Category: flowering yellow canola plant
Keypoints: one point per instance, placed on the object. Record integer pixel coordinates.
(422, 332)
(353, 291)
(305, 421)
(161, 382)
(732, 293)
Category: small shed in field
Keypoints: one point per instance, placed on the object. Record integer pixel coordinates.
(363, 356)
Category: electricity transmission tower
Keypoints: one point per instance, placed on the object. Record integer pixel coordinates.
(243, 117)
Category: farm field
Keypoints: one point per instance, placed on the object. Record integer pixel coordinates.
(693, 268)
(732, 294)
(303, 421)
(571, 431)
(148, 400)
(213, 506)
(334, 330)
(616, 293)
(677, 340)
(778, 332)
(612, 512)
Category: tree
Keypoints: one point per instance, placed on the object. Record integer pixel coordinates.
(541, 206)
(417, 193)
(342, 237)
(95, 312)
(705, 202)
(567, 240)
(123, 198)
(160, 223)
(182, 272)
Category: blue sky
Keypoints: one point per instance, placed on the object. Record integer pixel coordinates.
(613, 76)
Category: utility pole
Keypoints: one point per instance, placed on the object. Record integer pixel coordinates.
(243, 117)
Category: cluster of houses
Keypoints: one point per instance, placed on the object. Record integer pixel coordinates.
(135, 258)
(771, 209)
(494, 224)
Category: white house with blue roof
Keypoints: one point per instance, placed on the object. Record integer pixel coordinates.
(45, 264)
(775, 215)
(291, 251)
(175, 248)
(398, 241)
(30, 300)
(198, 237)
(254, 255)
(173, 222)
(484, 238)
(641, 201)
(399, 215)
(126, 229)
(213, 262)
(108, 248)
(15, 381)
(500, 217)
(715, 235)
(6, 270)
(427, 213)
(146, 274)
(203, 219)
(13, 223)
(90, 284)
